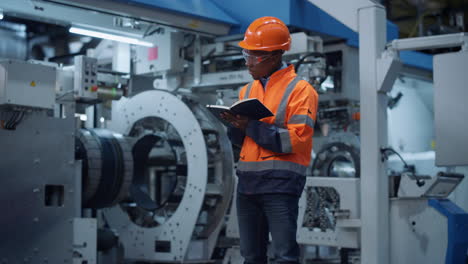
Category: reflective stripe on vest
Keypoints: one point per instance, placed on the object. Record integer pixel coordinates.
(285, 139)
(280, 117)
(271, 165)
(302, 119)
(281, 112)
(247, 91)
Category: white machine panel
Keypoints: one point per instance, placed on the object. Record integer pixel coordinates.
(418, 233)
(28, 85)
(166, 55)
(450, 95)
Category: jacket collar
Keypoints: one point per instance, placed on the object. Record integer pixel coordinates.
(285, 69)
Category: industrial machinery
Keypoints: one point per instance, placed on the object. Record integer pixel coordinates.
(113, 158)
(183, 182)
(165, 181)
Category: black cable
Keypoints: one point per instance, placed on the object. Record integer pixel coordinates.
(150, 31)
(19, 120)
(312, 54)
(11, 121)
(393, 101)
(383, 150)
(419, 180)
(191, 40)
(147, 30)
(158, 30)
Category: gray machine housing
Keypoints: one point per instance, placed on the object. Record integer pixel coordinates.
(26, 84)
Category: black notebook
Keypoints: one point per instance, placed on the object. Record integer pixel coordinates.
(250, 107)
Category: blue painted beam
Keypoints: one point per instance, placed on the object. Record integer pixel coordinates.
(200, 9)
(297, 13)
(417, 59)
(457, 220)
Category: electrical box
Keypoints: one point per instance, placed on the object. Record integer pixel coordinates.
(165, 56)
(27, 84)
(85, 78)
(450, 111)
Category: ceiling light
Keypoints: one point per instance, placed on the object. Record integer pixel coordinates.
(102, 35)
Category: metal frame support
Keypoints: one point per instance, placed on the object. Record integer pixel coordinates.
(369, 19)
(377, 72)
(388, 69)
(197, 61)
(432, 42)
(374, 183)
(343, 14)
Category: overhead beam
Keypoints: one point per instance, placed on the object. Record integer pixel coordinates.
(347, 11)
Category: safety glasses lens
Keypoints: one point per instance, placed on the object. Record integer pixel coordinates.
(252, 58)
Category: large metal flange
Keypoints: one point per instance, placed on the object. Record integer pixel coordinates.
(107, 167)
(168, 241)
(328, 160)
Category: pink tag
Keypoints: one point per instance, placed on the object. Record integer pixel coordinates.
(152, 53)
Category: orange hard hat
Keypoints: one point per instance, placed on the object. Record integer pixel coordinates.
(268, 34)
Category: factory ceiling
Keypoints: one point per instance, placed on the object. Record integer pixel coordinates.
(428, 17)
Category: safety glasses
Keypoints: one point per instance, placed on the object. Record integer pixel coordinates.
(255, 59)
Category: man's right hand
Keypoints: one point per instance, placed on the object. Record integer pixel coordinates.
(237, 121)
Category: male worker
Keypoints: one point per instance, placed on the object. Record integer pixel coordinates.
(275, 150)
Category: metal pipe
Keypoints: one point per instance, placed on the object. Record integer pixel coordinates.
(432, 42)
(197, 57)
(109, 93)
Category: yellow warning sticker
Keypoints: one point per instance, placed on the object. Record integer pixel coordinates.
(33, 84)
(194, 24)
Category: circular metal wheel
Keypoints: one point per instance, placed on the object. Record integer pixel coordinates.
(183, 177)
(335, 159)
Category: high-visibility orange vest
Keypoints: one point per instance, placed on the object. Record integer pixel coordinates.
(293, 102)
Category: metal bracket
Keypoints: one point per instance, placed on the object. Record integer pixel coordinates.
(388, 68)
(346, 233)
(465, 44)
(431, 42)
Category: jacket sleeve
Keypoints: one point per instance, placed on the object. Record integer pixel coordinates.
(298, 130)
(236, 136)
(265, 135)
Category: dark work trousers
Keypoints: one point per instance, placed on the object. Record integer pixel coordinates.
(263, 213)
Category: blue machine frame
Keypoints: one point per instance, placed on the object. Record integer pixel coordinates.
(457, 221)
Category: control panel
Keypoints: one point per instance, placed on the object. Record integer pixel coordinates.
(85, 78)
